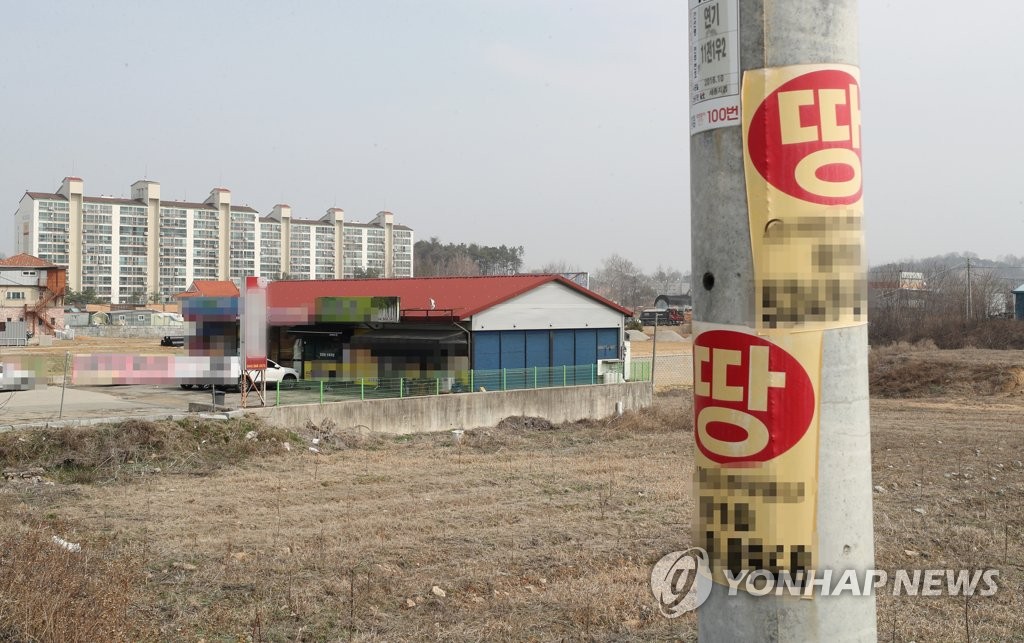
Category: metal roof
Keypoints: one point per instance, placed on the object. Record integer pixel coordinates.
(24, 260)
(210, 288)
(425, 298)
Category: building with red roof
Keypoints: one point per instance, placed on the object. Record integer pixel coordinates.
(209, 288)
(427, 298)
(424, 328)
(32, 291)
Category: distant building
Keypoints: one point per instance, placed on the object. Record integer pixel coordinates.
(1018, 302)
(203, 288)
(129, 249)
(663, 302)
(908, 290)
(75, 317)
(543, 327)
(32, 291)
(143, 318)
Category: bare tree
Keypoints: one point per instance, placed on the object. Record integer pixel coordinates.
(460, 265)
(950, 305)
(667, 281)
(620, 280)
(556, 268)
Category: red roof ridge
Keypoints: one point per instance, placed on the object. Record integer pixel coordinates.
(210, 288)
(25, 260)
(476, 294)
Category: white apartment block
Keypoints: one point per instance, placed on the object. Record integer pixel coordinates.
(128, 249)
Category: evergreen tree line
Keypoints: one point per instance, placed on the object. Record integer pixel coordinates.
(435, 259)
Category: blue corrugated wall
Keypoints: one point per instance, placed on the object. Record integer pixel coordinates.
(563, 348)
(486, 351)
(538, 348)
(495, 349)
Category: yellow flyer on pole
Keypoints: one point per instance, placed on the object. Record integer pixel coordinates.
(802, 164)
(756, 426)
(757, 389)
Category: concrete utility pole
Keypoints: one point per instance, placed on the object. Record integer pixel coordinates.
(742, 233)
(970, 313)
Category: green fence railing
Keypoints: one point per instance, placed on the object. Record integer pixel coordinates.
(506, 379)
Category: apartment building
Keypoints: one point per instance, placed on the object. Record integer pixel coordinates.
(129, 249)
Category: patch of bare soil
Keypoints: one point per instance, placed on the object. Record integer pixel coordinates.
(521, 533)
(909, 372)
(646, 349)
(51, 358)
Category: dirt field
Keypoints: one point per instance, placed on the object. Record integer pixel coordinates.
(527, 532)
(646, 349)
(53, 356)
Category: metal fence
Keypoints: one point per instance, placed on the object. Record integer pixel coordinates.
(670, 371)
(506, 379)
(14, 333)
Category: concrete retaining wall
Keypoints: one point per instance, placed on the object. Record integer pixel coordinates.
(467, 410)
(128, 331)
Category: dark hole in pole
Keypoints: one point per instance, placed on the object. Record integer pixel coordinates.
(708, 280)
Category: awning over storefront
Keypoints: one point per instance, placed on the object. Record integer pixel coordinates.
(409, 337)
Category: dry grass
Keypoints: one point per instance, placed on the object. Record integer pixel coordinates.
(532, 532)
(108, 453)
(961, 465)
(49, 594)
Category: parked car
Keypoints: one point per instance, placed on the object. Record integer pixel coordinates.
(173, 340)
(13, 380)
(277, 373)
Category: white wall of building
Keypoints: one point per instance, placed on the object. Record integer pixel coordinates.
(25, 230)
(551, 305)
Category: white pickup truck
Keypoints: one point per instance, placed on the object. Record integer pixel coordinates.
(277, 373)
(274, 373)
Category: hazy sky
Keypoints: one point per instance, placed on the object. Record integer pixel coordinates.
(554, 124)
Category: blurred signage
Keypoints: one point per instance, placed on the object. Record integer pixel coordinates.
(912, 281)
(354, 310)
(254, 323)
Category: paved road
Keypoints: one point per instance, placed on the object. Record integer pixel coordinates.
(44, 404)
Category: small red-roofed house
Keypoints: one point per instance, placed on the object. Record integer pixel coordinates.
(205, 288)
(32, 291)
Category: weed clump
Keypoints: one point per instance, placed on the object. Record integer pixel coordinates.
(134, 447)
